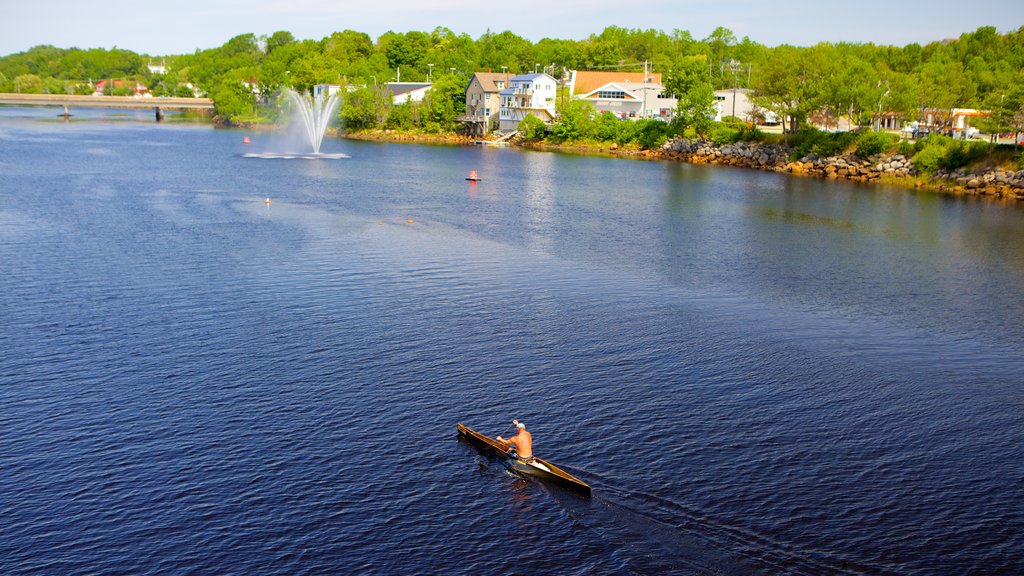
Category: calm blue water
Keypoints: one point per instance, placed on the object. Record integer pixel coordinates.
(758, 374)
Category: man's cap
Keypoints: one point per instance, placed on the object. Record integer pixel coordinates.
(519, 424)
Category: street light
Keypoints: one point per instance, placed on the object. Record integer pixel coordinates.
(430, 70)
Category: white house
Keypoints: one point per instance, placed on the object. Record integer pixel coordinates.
(738, 103)
(325, 90)
(527, 94)
(402, 92)
(631, 99)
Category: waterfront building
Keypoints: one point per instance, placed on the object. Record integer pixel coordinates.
(632, 100)
(527, 94)
(737, 102)
(483, 101)
(326, 90)
(402, 92)
(586, 81)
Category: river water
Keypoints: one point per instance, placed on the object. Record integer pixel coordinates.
(758, 374)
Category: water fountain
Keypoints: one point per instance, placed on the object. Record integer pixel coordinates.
(316, 113)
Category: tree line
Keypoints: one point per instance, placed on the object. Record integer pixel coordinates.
(983, 69)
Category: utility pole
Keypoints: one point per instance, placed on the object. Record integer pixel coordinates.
(734, 65)
(643, 103)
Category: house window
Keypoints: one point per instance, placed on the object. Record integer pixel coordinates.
(611, 94)
(487, 111)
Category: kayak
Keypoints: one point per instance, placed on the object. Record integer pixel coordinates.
(535, 467)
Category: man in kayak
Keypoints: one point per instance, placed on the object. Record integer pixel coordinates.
(522, 441)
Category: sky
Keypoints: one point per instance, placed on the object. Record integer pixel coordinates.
(183, 26)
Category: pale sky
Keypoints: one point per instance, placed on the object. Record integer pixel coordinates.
(183, 26)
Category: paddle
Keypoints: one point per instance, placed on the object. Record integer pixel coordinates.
(514, 422)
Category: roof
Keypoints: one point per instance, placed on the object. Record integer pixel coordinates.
(488, 80)
(399, 88)
(631, 89)
(585, 81)
(522, 77)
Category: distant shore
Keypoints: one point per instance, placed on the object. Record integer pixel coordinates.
(892, 170)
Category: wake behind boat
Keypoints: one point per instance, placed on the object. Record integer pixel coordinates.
(535, 467)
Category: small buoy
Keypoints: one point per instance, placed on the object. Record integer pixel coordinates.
(408, 220)
(472, 176)
(267, 201)
(245, 140)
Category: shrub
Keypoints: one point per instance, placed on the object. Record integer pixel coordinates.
(607, 127)
(677, 127)
(532, 128)
(627, 132)
(830, 144)
(906, 148)
(937, 151)
(871, 143)
(752, 134)
(823, 144)
(575, 122)
(734, 123)
(960, 153)
(928, 158)
(651, 134)
(723, 134)
(400, 117)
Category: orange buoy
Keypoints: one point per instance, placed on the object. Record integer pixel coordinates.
(267, 201)
(245, 140)
(472, 176)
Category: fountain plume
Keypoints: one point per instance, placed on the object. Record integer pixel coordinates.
(316, 113)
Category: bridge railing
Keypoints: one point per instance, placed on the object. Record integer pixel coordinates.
(76, 101)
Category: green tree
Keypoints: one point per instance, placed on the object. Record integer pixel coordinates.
(693, 91)
(941, 87)
(28, 84)
(405, 50)
(606, 127)
(790, 85)
(233, 101)
(651, 134)
(445, 100)
(365, 108)
(278, 39)
(505, 49)
(574, 121)
(532, 129)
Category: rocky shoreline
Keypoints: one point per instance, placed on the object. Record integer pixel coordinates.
(400, 136)
(892, 169)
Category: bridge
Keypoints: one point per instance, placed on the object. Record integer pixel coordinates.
(158, 105)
